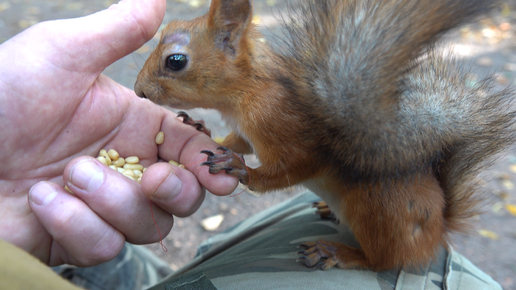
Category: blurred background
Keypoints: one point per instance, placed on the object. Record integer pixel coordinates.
(486, 48)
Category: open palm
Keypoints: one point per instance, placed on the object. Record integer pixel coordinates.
(56, 109)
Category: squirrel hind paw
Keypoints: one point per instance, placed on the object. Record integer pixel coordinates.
(232, 163)
(197, 124)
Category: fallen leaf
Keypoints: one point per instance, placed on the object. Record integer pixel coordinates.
(504, 26)
(489, 32)
(4, 6)
(33, 10)
(195, 3)
(489, 234)
(74, 6)
(497, 207)
(223, 207)
(25, 23)
(212, 223)
(256, 19)
(502, 194)
(506, 10)
(511, 208)
(108, 3)
(503, 176)
(508, 184)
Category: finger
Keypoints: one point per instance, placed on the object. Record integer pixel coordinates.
(174, 189)
(185, 145)
(103, 37)
(118, 30)
(85, 239)
(117, 199)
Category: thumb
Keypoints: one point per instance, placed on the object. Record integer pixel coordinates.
(93, 42)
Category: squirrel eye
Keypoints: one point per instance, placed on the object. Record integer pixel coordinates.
(176, 62)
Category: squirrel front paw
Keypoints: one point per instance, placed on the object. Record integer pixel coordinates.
(199, 125)
(323, 210)
(327, 254)
(229, 161)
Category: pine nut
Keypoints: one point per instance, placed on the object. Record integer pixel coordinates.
(113, 154)
(132, 160)
(67, 189)
(128, 173)
(133, 166)
(102, 159)
(175, 163)
(120, 162)
(160, 137)
(103, 152)
(128, 167)
(128, 176)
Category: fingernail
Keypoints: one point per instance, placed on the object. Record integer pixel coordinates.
(169, 189)
(42, 193)
(86, 175)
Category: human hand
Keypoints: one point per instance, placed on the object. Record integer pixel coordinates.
(57, 109)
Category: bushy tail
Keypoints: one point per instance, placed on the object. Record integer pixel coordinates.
(491, 132)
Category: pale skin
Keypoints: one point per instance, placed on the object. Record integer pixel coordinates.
(57, 111)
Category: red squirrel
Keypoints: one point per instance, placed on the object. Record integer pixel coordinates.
(357, 105)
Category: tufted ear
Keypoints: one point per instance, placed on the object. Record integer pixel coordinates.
(229, 20)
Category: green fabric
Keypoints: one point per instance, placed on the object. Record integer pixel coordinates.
(261, 253)
(191, 282)
(134, 268)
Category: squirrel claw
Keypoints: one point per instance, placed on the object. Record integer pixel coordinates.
(198, 125)
(312, 255)
(327, 254)
(223, 149)
(230, 162)
(323, 210)
(209, 153)
(183, 114)
(304, 246)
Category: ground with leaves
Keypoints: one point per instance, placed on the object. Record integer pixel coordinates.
(486, 47)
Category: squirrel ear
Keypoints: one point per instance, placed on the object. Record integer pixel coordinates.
(229, 19)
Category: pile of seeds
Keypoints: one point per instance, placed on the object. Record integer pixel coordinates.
(130, 166)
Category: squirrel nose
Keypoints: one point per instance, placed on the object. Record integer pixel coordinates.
(139, 91)
(141, 95)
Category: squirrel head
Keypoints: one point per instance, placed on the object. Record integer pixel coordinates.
(202, 62)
